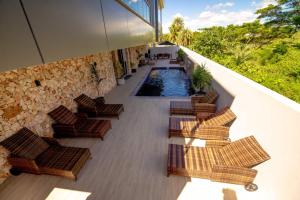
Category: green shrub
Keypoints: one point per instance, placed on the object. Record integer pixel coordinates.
(201, 78)
(180, 55)
(295, 75)
(265, 56)
(297, 45)
(281, 49)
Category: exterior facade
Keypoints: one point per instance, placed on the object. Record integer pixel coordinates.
(37, 32)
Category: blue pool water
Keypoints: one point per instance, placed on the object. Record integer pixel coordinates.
(166, 82)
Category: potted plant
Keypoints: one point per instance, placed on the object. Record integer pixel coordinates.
(119, 73)
(180, 56)
(95, 76)
(201, 78)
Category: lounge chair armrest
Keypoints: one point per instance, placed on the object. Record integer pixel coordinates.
(233, 174)
(216, 143)
(203, 116)
(81, 116)
(23, 164)
(213, 132)
(99, 100)
(204, 107)
(51, 141)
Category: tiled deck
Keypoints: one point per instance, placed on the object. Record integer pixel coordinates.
(129, 164)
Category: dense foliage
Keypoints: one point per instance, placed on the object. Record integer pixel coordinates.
(268, 53)
(270, 57)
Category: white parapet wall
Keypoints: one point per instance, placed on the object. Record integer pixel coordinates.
(272, 118)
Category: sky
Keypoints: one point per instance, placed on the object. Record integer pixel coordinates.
(206, 13)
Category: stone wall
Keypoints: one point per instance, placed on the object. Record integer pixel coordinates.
(23, 103)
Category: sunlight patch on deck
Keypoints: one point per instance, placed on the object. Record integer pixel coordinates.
(64, 194)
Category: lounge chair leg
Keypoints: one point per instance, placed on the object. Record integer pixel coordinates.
(102, 138)
(168, 174)
(15, 171)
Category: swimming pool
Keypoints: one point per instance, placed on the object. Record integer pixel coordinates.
(166, 82)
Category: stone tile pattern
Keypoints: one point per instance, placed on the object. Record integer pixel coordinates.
(22, 103)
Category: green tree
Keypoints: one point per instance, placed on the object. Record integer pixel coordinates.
(165, 37)
(185, 37)
(176, 27)
(209, 42)
(285, 12)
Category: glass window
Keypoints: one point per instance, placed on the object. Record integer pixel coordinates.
(148, 14)
(134, 5)
(126, 1)
(140, 7)
(145, 10)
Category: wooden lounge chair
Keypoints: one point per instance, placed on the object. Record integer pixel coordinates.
(221, 162)
(206, 127)
(98, 107)
(33, 154)
(202, 103)
(70, 125)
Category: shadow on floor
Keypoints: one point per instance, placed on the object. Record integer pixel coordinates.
(229, 194)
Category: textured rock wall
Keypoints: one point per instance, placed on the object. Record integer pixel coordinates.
(22, 103)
